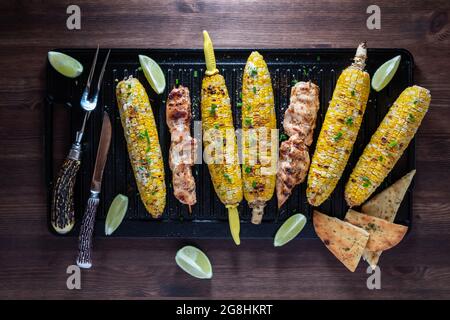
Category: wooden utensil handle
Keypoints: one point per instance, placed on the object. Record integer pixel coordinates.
(84, 259)
(62, 212)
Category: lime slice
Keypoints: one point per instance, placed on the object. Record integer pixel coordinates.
(385, 73)
(194, 262)
(116, 213)
(153, 73)
(64, 64)
(289, 229)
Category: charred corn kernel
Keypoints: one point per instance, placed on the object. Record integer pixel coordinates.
(387, 144)
(143, 144)
(217, 123)
(218, 131)
(258, 118)
(339, 129)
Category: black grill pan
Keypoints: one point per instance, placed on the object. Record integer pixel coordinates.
(208, 218)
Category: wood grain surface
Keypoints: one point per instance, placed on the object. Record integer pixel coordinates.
(33, 262)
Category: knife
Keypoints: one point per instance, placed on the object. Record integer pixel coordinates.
(84, 259)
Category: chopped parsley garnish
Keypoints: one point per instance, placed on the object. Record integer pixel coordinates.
(148, 149)
(212, 111)
(239, 104)
(177, 82)
(248, 121)
(147, 137)
(254, 90)
(248, 169)
(253, 71)
(416, 101)
(283, 137)
(154, 192)
(371, 226)
(216, 126)
(240, 95)
(227, 176)
(380, 158)
(129, 86)
(366, 182)
(149, 161)
(392, 144)
(353, 93)
(411, 118)
(294, 82)
(338, 136)
(254, 184)
(249, 107)
(349, 121)
(195, 74)
(144, 135)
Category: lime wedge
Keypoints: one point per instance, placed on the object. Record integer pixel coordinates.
(289, 229)
(385, 73)
(64, 64)
(116, 213)
(153, 73)
(194, 262)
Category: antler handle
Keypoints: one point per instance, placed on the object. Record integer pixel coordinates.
(62, 212)
(84, 259)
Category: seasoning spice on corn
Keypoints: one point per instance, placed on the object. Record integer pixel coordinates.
(225, 175)
(339, 130)
(387, 144)
(258, 120)
(143, 144)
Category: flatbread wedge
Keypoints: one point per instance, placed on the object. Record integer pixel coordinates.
(383, 234)
(385, 205)
(345, 241)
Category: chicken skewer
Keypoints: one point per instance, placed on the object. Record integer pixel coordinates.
(183, 146)
(299, 123)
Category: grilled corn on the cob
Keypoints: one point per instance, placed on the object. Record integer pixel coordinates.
(218, 129)
(143, 145)
(339, 130)
(258, 118)
(387, 144)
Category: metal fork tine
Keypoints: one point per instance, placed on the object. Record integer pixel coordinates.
(91, 73)
(100, 78)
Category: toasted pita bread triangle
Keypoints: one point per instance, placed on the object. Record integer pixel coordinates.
(385, 205)
(345, 241)
(383, 234)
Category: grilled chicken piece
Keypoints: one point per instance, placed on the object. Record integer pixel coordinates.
(299, 123)
(183, 147)
(300, 117)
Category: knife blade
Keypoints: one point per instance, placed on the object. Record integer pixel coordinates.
(84, 259)
(102, 154)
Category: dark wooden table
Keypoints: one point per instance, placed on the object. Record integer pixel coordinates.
(33, 262)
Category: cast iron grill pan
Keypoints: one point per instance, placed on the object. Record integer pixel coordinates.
(209, 218)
